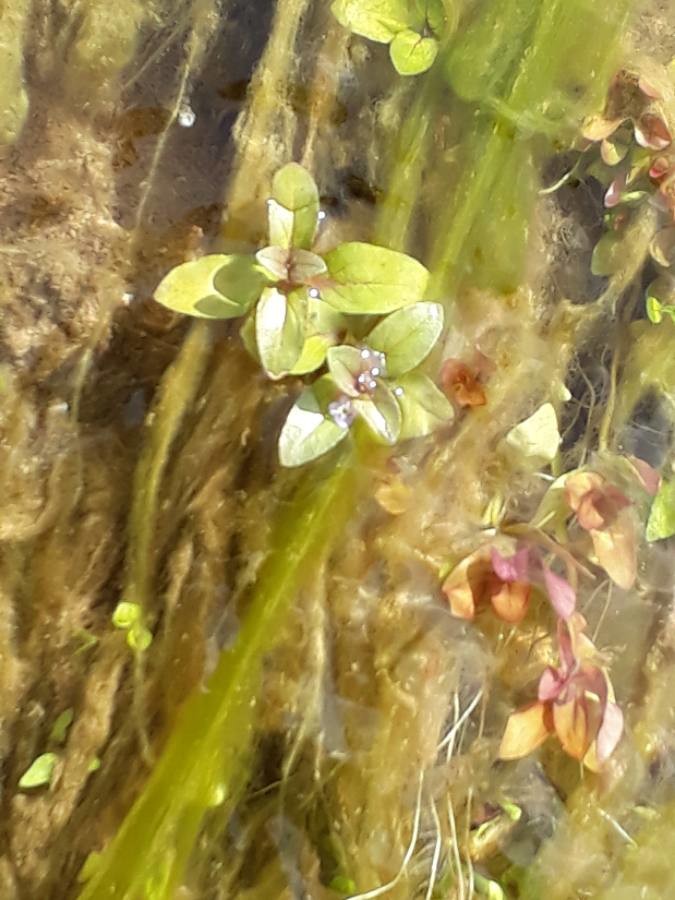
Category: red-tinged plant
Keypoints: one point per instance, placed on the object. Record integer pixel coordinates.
(575, 702)
(604, 512)
(487, 577)
(461, 383)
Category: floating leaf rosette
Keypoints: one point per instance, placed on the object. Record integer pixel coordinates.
(302, 309)
(412, 28)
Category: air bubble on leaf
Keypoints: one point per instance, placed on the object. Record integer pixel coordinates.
(186, 116)
(314, 294)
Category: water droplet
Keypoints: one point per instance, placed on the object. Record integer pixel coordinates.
(398, 391)
(314, 294)
(321, 215)
(128, 297)
(186, 116)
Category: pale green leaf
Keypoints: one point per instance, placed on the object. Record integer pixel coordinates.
(364, 278)
(308, 431)
(659, 299)
(424, 408)
(434, 13)
(407, 336)
(345, 365)
(313, 354)
(294, 191)
(537, 439)
(40, 772)
(139, 637)
(247, 335)
(379, 20)
(213, 287)
(412, 54)
(60, 727)
(381, 413)
(126, 614)
(661, 522)
(279, 332)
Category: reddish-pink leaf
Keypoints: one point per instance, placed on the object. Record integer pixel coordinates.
(511, 568)
(610, 731)
(560, 593)
(525, 730)
(615, 190)
(551, 684)
(648, 477)
(652, 132)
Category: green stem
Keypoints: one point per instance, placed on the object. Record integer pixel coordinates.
(202, 763)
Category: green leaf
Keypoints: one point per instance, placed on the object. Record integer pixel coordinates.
(536, 440)
(424, 408)
(407, 336)
(313, 354)
(293, 212)
(279, 333)
(365, 278)
(411, 53)
(308, 431)
(345, 364)
(40, 772)
(661, 524)
(434, 13)
(139, 637)
(60, 727)
(126, 614)
(379, 20)
(381, 413)
(659, 299)
(213, 287)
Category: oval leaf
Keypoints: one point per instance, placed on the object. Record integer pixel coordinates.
(407, 336)
(525, 730)
(307, 432)
(536, 440)
(278, 331)
(379, 20)
(364, 278)
(345, 364)
(661, 524)
(424, 408)
(293, 212)
(216, 286)
(40, 772)
(313, 354)
(382, 414)
(412, 54)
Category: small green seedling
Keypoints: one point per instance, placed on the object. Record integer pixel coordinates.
(40, 772)
(412, 28)
(127, 617)
(59, 731)
(661, 524)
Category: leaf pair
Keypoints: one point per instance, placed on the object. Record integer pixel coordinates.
(410, 27)
(375, 383)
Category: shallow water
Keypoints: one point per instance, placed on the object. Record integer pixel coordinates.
(309, 719)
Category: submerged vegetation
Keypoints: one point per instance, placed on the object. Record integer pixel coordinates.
(337, 444)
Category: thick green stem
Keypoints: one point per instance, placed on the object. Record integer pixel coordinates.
(202, 763)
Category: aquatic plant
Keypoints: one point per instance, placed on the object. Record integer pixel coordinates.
(302, 711)
(301, 303)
